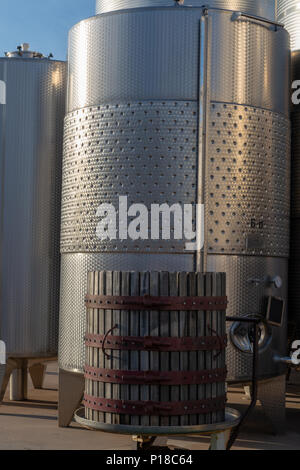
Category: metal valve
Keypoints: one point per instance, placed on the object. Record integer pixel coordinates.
(277, 281)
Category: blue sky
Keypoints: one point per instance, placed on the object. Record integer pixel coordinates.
(42, 23)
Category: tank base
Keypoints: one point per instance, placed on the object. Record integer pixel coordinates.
(37, 374)
(15, 374)
(71, 389)
(2, 374)
(271, 394)
(8, 369)
(18, 383)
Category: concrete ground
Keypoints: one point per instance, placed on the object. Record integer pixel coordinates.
(33, 425)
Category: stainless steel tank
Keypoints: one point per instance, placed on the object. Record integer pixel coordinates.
(180, 105)
(263, 8)
(288, 13)
(31, 132)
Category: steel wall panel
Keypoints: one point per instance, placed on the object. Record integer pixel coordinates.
(31, 131)
(140, 46)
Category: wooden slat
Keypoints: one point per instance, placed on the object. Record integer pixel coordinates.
(208, 355)
(164, 330)
(90, 288)
(101, 313)
(125, 320)
(145, 331)
(116, 363)
(192, 291)
(222, 356)
(184, 356)
(216, 353)
(108, 326)
(214, 327)
(201, 322)
(134, 331)
(95, 414)
(175, 357)
(154, 331)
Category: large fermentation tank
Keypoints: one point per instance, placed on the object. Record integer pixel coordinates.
(31, 132)
(179, 104)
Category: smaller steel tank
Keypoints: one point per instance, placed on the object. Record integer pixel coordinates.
(31, 131)
(263, 8)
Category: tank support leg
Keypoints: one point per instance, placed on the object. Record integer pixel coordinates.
(2, 375)
(146, 442)
(271, 394)
(18, 382)
(294, 377)
(71, 389)
(37, 374)
(219, 440)
(6, 373)
(143, 442)
(247, 390)
(7, 370)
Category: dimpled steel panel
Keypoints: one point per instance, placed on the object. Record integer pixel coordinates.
(247, 184)
(31, 128)
(263, 8)
(147, 151)
(74, 269)
(288, 13)
(244, 168)
(163, 60)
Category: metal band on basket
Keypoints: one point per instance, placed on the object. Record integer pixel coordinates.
(148, 302)
(156, 343)
(149, 408)
(156, 377)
